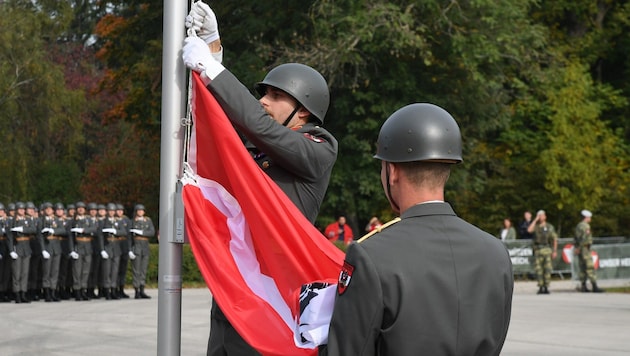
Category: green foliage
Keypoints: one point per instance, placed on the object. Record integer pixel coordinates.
(539, 88)
(37, 111)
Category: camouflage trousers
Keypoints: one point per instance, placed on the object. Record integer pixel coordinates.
(542, 265)
(585, 261)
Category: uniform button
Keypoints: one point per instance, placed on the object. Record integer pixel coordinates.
(265, 164)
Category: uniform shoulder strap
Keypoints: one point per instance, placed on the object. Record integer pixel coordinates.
(378, 229)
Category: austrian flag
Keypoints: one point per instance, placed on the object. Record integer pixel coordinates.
(258, 254)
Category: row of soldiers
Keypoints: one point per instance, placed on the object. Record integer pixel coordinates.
(81, 251)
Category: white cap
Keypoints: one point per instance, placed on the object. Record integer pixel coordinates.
(586, 213)
(540, 212)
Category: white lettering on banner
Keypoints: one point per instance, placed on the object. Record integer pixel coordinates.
(520, 261)
(614, 262)
(520, 252)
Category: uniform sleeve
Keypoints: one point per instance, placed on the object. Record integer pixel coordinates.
(307, 155)
(358, 311)
(149, 231)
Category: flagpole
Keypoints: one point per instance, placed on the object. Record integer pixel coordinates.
(174, 90)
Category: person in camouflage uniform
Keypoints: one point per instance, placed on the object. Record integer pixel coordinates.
(583, 242)
(545, 237)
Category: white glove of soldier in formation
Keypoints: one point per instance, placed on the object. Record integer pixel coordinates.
(104, 254)
(78, 230)
(14, 255)
(48, 230)
(203, 21)
(110, 230)
(18, 229)
(132, 256)
(45, 254)
(74, 255)
(136, 231)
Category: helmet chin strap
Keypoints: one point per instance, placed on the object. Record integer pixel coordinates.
(389, 189)
(286, 122)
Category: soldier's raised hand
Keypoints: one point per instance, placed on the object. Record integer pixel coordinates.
(203, 21)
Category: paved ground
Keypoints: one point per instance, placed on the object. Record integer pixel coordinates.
(562, 323)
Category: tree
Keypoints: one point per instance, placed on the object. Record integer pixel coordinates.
(38, 113)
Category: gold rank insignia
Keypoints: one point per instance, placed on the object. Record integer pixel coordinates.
(378, 229)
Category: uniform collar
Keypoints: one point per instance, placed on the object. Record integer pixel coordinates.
(429, 208)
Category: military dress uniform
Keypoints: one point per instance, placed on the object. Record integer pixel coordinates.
(141, 229)
(111, 231)
(298, 160)
(64, 283)
(95, 279)
(5, 261)
(125, 246)
(51, 243)
(82, 242)
(22, 228)
(431, 275)
(544, 238)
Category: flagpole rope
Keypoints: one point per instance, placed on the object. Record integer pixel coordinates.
(187, 121)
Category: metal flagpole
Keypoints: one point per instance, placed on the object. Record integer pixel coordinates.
(174, 91)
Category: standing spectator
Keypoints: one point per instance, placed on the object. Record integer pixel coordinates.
(374, 223)
(141, 229)
(545, 238)
(339, 231)
(282, 132)
(508, 233)
(522, 228)
(5, 260)
(22, 227)
(430, 283)
(583, 242)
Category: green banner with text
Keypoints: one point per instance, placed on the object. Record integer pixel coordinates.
(611, 260)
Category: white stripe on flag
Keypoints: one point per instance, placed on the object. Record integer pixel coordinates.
(242, 249)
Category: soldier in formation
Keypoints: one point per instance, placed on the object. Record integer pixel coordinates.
(54, 253)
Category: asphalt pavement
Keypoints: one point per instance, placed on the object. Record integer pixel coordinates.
(564, 322)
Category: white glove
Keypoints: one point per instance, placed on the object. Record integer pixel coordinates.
(77, 230)
(196, 56)
(0, 256)
(110, 230)
(18, 229)
(47, 230)
(132, 256)
(104, 254)
(14, 255)
(203, 21)
(46, 254)
(136, 231)
(74, 255)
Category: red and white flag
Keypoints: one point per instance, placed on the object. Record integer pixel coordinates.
(256, 251)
